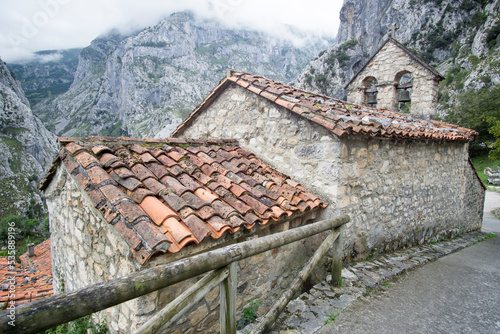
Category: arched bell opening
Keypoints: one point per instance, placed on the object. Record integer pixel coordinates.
(371, 92)
(404, 89)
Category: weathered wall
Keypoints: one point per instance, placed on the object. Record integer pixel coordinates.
(385, 67)
(85, 249)
(400, 193)
(473, 205)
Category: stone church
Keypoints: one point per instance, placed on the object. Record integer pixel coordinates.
(255, 157)
(396, 79)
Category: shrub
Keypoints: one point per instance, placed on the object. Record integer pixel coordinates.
(249, 314)
(492, 35)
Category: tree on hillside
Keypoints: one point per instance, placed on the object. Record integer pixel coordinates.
(479, 110)
(495, 131)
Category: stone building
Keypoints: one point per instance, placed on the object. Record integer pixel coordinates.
(402, 180)
(120, 205)
(33, 277)
(396, 79)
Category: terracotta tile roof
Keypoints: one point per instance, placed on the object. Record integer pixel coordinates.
(165, 194)
(33, 276)
(340, 117)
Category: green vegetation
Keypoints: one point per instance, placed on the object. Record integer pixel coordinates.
(27, 230)
(480, 110)
(494, 130)
(85, 325)
(340, 55)
(47, 79)
(38, 95)
(492, 36)
(481, 162)
(478, 19)
(486, 237)
(249, 314)
(348, 44)
(12, 131)
(340, 282)
(16, 148)
(116, 130)
(332, 317)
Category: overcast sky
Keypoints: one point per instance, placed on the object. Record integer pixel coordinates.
(31, 25)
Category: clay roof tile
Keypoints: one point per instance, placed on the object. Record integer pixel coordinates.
(166, 198)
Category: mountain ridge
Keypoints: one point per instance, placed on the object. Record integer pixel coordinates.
(447, 34)
(27, 149)
(144, 83)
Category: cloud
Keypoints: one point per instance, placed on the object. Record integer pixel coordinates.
(31, 25)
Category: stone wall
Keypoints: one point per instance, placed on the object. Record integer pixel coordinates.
(398, 193)
(387, 67)
(401, 193)
(474, 196)
(87, 250)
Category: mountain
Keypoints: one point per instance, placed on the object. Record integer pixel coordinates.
(459, 38)
(142, 84)
(48, 73)
(26, 149)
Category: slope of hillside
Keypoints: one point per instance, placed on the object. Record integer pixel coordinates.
(26, 149)
(49, 73)
(143, 84)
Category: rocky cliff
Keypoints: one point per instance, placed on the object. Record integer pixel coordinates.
(26, 148)
(454, 36)
(143, 84)
(48, 73)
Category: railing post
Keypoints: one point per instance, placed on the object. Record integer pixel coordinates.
(337, 249)
(228, 301)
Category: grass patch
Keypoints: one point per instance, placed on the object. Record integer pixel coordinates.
(480, 163)
(85, 325)
(332, 317)
(488, 236)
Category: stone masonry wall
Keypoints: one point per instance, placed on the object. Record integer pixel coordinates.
(474, 196)
(85, 249)
(385, 66)
(400, 193)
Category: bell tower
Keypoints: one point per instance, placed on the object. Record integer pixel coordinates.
(396, 79)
